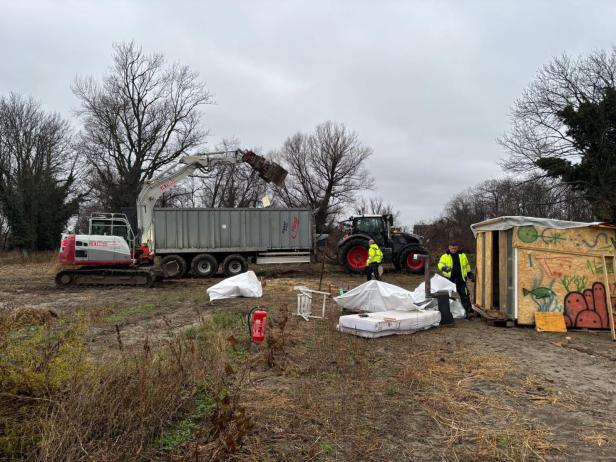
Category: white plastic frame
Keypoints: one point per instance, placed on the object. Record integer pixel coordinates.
(304, 302)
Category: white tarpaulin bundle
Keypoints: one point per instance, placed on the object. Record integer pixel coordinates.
(374, 296)
(242, 285)
(438, 283)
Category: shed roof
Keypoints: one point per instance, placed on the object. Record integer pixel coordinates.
(504, 223)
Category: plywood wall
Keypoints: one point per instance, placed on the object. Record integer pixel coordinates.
(562, 271)
(502, 271)
(483, 279)
(480, 275)
(594, 240)
(488, 270)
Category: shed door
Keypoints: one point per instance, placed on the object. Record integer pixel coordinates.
(507, 279)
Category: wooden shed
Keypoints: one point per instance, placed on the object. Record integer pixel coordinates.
(526, 264)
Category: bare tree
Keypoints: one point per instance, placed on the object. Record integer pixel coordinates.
(4, 232)
(142, 116)
(38, 179)
(537, 129)
(232, 185)
(326, 171)
(375, 206)
(188, 194)
(538, 197)
(501, 197)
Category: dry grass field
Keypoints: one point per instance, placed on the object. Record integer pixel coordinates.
(164, 374)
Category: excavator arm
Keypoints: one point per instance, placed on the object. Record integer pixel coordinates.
(154, 188)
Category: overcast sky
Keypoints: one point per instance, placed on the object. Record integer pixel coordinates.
(427, 85)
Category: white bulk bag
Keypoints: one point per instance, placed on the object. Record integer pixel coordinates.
(438, 283)
(242, 285)
(374, 296)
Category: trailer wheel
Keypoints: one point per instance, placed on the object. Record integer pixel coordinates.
(234, 265)
(173, 266)
(204, 265)
(409, 262)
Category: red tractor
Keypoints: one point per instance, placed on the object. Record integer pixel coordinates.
(403, 250)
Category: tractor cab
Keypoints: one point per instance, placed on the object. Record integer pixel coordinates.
(375, 226)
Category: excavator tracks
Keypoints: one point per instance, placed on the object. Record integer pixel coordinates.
(144, 277)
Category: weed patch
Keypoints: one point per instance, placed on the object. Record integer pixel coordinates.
(119, 315)
(56, 404)
(184, 431)
(227, 319)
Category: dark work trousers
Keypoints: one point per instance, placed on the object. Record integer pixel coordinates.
(372, 271)
(463, 292)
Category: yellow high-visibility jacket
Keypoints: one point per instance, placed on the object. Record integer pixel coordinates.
(447, 260)
(374, 254)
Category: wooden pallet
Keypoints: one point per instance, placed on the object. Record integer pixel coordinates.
(494, 317)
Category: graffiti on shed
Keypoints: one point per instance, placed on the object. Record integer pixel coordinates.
(587, 308)
(559, 272)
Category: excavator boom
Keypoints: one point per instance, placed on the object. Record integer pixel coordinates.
(269, 171)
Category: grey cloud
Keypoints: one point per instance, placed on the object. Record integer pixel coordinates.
(426, 84)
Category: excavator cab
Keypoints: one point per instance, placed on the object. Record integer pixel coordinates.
(112, 224)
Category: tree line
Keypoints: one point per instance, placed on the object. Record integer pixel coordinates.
(536, 197)
(144, 114)
(560, 153)
(138, 119)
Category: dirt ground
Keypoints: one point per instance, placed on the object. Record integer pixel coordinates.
(468, 392)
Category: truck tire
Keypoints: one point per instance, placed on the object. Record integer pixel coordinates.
(353, 255)
(173, 266)
(234, 264)
(204, 265)
(407, 261)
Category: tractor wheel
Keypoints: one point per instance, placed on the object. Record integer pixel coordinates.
(204, 265)
(409, 262)
(173, 266)
(234, 264)
(353, 255)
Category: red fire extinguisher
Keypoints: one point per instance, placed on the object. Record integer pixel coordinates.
(258, 325)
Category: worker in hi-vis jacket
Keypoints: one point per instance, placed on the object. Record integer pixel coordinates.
(455, 267)
(375, 257)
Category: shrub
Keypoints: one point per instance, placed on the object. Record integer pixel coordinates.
(56, 403)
